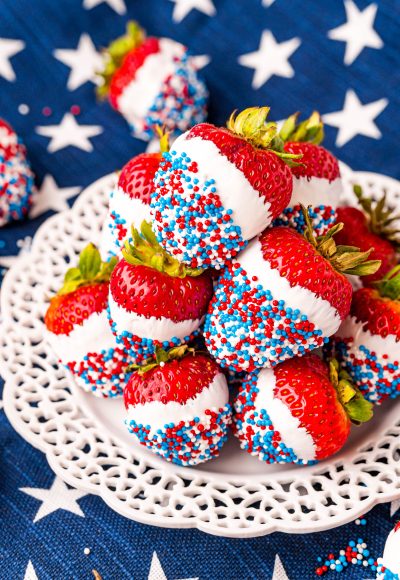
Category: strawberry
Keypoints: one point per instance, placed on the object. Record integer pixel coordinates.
(17, 188)
(178, 406)
(130, 202)
(299, 412)
(220, 187)
(369, 340)
(154, 300)
(152, 82)
(78, 329)
(316, 180)
(284, 295)
(372, 228)
(389, 564)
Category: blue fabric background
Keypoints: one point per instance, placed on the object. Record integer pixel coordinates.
(121, 548)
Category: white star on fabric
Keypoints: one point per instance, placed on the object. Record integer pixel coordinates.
(117, 5)
(279, 572)
(8, 48)
(272, 58)
(267, 3)
(394, 507)
(157, 572)
(50, 196)
(183, 7)
(69, 132)
(358, 32)
(30, 573)
(200, 61)
(83, 61)
(58, 497)
(355, 118)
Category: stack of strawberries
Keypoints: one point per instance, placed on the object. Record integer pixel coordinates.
(239, 270)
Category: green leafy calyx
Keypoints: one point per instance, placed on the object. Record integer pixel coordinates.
(346, 259)
(311, 130)
(146, 251)
(161, 357)
(115, 54)
(252, 124)
(389, 286)
(358, 409)
(90, 270)
(380, 217)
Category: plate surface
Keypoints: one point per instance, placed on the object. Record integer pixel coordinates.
(87, 445)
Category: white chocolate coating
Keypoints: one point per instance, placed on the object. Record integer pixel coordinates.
(292, 433)
(316, 191)
(249, 210)
(94, 335)
(318, 310)
(139, 95)
(157, 414)
(160, 329)
(354, 330)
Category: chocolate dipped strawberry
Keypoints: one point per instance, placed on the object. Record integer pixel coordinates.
(316, 179)
(372, 227)
(178, 406)
(220, 187)
(17, 188)
(129, 202)
(154, 300)
(299, 412)
(284, 295)
(152, 82)
(368, 342)
(78, 329)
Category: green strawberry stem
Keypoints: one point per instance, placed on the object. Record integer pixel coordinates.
(90, 270)
(163, 136)
(346, 259)
(358, 409)
(115, 54)
(161, 357)
(380, 217)
(146, 251)
(389, 286)
(310, 130)
(252, 124)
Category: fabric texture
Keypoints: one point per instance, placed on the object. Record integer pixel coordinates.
(340, 58)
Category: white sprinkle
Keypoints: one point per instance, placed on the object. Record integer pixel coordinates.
(162, 364)
(23, 109)
(86, 551)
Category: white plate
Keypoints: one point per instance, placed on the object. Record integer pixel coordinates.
(87, 445)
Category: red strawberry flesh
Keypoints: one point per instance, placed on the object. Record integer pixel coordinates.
(263, 169)
(148, 292)
(303, 385)
(70, 310)
(302, 265)
(316, 161)
(130, 64)
(136, 178)
(177, 380)
(380, 315)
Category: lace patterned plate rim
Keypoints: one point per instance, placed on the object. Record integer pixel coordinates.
(234, 495)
